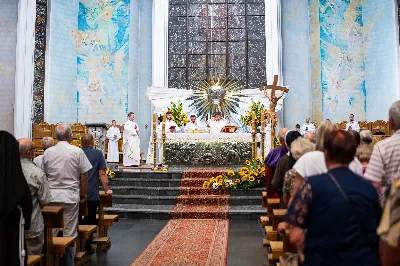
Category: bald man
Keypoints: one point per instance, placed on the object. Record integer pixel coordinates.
(307, 127)
(310, 136)
(41, 196)
(272, 160)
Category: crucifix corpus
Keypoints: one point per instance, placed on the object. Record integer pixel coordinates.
(269, 92)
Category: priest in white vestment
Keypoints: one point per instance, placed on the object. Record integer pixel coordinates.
(352, 124)
(218, 124)
(113, 135)
(170, 125)
(193, 124)
(131, 142)
(307, 127)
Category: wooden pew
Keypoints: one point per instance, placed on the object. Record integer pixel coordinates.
(104, 221)
(278, 215)
(34, 260)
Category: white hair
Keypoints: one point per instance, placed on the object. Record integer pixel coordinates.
(394, 113)
(63, 131)
(47, 142)
(366, 136)
(300, 146)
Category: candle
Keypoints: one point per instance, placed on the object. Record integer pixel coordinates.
(262, 121)
(254, 120)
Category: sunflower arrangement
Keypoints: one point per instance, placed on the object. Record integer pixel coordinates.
(249, 176)
(79, 140)
(178, 115)
(256, 108)
(110, 174)
(277, 143)
(220, 182)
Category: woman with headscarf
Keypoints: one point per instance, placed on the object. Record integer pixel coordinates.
(285, 163)
(14, 194)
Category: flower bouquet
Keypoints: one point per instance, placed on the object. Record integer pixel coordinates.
(110, 174)
(178, 115)
(249, 176)
(256, 108)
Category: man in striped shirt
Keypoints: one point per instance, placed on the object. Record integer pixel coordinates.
(384, 165)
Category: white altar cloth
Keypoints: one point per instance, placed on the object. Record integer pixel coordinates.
(209, 137)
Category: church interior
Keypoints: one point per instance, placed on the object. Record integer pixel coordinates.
(197, 132)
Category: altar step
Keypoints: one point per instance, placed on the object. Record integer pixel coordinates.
(172, 200)
(173, 191)
(162, 212)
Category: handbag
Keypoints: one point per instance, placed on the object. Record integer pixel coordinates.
(289, 259)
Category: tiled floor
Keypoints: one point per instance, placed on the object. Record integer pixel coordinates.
(130, 237)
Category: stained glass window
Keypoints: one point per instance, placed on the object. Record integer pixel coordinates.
(216, 37)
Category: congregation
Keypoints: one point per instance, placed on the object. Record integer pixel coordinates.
(334, 191)
(64, 175)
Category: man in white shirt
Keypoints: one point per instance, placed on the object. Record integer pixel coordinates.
(170, 125)
(352, 124)
(131, 142)
(193, 124)
(218, 124)
(113, 135)
(46, 143)
(307, 127)
(66, 167)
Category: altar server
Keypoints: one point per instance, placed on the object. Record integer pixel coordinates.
(113, 135)
(352, 124)
(218, 124)
(170, 125)
(131, 142)
(307, 127)
(193, 124)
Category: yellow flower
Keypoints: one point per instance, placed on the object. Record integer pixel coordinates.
(248, 162)
(220, 182)
(206, 184)
(112, 174)
(237, 180)
(244, 169)
(172, 102)
(252, 179)
(258, 159)
(262, 169)
(231, 173)
(241, 173)
(226, 185)
(219, 177)
(244, 178)
(107, 170)
(255, 173)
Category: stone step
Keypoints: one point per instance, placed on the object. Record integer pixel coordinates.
(140, 211)
(200, 212)
(147, 175)
(203, 200)
(172, 200)
(154, 191)
(162, 212)
(142, 182)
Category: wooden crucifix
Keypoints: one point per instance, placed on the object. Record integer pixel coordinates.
(273, 101)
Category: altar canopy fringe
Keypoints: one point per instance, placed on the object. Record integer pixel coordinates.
(24, 74)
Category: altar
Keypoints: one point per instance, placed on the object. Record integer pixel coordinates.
(208, 149)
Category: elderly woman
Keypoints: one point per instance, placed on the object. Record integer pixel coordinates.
(298, 148)
(363, 154)
(327, 214)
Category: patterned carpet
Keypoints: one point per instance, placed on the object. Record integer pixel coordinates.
(197, 234)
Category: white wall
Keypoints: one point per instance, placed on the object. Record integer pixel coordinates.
(8, 37)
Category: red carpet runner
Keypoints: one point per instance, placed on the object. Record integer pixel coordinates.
(197, 234)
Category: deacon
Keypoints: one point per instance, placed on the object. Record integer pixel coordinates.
(113, 135)
(131, 142)
(307, 127)
(218, 124)
(352, 125)
(193, 124)
(170, 125)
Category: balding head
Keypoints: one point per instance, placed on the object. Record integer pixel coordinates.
(307, 120)
(63, 132)
(282, 134)
(47, 142)
(310, 136)
(26, 148)
(87, 140)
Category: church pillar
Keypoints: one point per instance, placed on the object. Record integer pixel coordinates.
(24, 74)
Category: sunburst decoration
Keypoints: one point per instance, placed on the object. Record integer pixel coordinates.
(216, 94)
